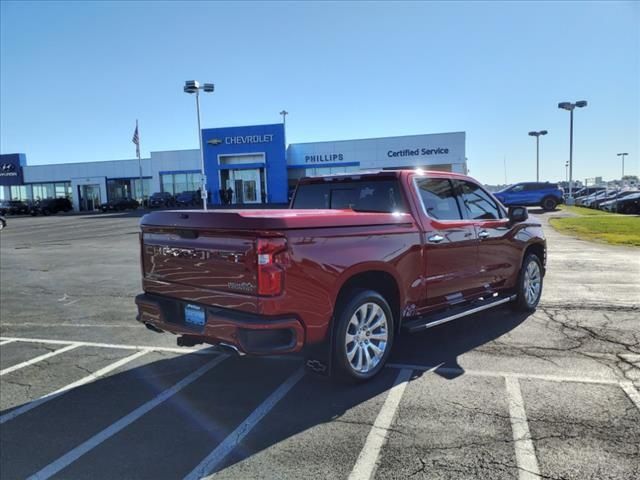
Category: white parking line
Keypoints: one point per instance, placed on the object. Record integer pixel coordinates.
(89, 378)
(525, 376)
(39, 359)
(4, 342)
(71, 456)
(525, 454)
(213, 460)
(367, 461)
(200, 351)
(631, 392)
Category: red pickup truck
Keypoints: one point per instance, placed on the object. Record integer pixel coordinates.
(356, 260)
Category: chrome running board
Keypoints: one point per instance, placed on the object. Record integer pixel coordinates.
(429, 321)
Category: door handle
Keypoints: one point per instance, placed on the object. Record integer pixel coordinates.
(435, 238)
(483, 234)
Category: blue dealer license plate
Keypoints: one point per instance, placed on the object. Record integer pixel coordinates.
(194, 315)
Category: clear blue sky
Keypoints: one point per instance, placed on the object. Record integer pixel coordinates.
(75, 76)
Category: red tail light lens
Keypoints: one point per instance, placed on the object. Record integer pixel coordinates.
(270, 273)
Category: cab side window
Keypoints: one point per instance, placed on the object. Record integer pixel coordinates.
(439, 199)
(477, 203)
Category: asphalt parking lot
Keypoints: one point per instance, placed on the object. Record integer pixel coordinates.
(86, 392)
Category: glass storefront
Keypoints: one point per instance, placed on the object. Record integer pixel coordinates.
(118, 188)
(176, 183)
(40, 191)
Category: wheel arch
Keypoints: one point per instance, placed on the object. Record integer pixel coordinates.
(379, 278)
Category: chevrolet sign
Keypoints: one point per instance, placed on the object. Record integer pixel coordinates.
(242, 139)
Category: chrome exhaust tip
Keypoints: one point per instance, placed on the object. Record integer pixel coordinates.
(153, 328)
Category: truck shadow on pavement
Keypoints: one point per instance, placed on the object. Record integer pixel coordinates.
(172, 438)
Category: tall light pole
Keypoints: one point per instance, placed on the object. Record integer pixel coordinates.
(193, 86)
(537, 135)
(622, 155)
(284, 114)
(566, 170)
(571, 106)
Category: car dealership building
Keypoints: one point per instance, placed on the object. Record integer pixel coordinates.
(252, 161)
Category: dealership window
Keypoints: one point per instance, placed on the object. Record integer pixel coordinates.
(40, 191)
(176, 183)
(296, 174)
(141, 193)
(19, 192)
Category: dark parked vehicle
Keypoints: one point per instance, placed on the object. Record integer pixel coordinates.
(187, 199)
(584, 192)
(161, 199)
(50, 206)
(120, 205)
(355, 261)
(628, 204)
(611, 196)
(589, 199)
(546, 195)
(14, 207)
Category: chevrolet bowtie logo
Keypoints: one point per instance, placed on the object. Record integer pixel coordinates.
(214, 141)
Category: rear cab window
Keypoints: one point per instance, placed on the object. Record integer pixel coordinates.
(364, 194)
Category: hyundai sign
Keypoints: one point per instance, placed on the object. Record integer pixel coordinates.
(11, 168)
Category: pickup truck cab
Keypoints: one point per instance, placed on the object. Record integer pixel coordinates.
(356, 260)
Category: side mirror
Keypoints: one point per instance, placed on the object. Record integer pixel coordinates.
(518, 214)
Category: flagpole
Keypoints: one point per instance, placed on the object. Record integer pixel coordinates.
(139, 166)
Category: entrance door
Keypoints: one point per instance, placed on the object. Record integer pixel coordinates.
(246, 186)
(89, 197)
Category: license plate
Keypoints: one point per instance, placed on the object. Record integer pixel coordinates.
(194, 314)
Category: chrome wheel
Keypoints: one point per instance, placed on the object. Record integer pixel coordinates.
(366, 338)
(532, 283)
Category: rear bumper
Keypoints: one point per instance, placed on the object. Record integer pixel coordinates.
(249, 333)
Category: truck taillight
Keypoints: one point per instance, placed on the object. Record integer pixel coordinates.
(270, 273)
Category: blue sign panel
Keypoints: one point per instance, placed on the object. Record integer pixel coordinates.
(250, 160)
(11, 168)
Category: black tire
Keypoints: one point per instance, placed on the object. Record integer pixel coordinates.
(549, 203)
(366, 300)
(524, 301)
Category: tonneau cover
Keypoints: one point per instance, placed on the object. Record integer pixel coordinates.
(269, 219)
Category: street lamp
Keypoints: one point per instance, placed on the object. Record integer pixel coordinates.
(537, 135)
(622, 155)
(571, 106)
(566, 170)
(193, 86)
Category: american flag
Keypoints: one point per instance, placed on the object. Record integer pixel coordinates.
(136, 140)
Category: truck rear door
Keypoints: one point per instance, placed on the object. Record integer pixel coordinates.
(451, 244)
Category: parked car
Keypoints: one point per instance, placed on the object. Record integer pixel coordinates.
(14, 207)
(119, 205)
(590, 199)
(628, 204)
(188, 199)
(546, 195)
(161, 199)
(585, 191)
(355, 261)
(50, 206)
(3, 222)
(611, 197)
